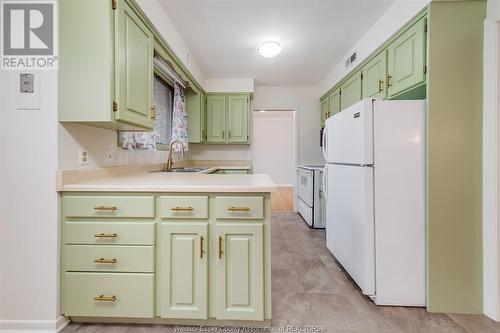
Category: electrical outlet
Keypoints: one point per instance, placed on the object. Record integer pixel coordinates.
(108, 156)
(84, 156)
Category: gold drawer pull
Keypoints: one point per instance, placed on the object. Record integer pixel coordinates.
(103, 235)
(220, 247)
(103, 298)
(106, 261)
(238, 209)
(389, 80)
(182, 209)
(201, 247)
(106, 208)
(380, 86)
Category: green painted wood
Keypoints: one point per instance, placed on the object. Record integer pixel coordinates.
(126, 206)
(86, 85)
(406, 59)
(198, 204)
(234, 171)
(238, 119)
(324, 110)
(454, 157)
(350, 91)
(127, 233)
(374, 77)
(194, 104)
(240, 272)
(135, 259)
(133, 67)
(184, 270)
(134, 294)
(216, 119)
(333, 102)
(224, 204)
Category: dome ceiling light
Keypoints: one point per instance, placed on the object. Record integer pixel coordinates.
(269, 49)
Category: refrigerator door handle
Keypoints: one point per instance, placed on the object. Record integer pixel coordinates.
(325, 183)
(325, 133)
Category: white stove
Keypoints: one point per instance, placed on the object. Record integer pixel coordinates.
(310, 195)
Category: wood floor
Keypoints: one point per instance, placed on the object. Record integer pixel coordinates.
(282, 199)
(310, 289)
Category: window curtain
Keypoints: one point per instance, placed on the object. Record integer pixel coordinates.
(179, 118)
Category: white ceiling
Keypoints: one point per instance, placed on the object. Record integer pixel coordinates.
(315, 34)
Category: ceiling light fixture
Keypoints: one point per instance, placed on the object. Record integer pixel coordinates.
(269, 49)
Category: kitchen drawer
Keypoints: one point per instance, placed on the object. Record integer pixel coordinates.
(184, 207)
(119, 233)
(93, 258)
(109, 206)
(239, 207)
(118, 295)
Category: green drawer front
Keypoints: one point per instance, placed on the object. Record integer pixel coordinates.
(109, 206)
(239, 207)
(184, 207)
(133, 295)
(235, 171)
(119, 233)
(109, 258)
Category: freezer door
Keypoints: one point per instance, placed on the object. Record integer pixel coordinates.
(349, 137)
(350, 223)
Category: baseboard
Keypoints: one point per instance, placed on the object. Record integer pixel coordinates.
(33, 326)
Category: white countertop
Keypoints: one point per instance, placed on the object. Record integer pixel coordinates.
(174, 182)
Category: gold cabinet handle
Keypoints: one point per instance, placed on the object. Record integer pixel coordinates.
(239, 209)
(229, 134)
(103, 235)
(220, 247)
(201, 247)
(106, 261)
(182, 209)
(223, 134)
(389, 78)
(153, 112)
(102, 298)
(380, 86)
(106, 208)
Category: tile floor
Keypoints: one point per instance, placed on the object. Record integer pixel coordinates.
(309, 288)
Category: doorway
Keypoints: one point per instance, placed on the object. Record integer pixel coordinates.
(275, 153)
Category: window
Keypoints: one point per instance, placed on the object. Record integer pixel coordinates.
(164, 102)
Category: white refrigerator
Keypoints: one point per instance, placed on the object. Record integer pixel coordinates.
(375, 197)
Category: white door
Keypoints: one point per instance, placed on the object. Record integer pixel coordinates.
(350, 135)
(350, 223)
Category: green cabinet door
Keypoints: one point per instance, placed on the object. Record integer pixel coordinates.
(133, 68)
(238, 116)
(333, 102)
(374, 74)
(195, 103)
(184, 270)
(350, 91)
(324, 110)
(216, 119)
(239, 271)
(406, 59)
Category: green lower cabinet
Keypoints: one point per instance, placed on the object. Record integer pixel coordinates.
(374, 75)
(333, 102)
(406, 59)
(350, 91)
(216, 119)
(184, 270)
(239, 271)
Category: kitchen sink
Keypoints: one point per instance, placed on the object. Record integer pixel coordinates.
(183, 169)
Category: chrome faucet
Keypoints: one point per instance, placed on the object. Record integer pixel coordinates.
(170, 162)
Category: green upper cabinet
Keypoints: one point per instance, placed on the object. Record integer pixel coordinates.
(374, 74)
(216, 119)
(133, 68)
(238, 118)
(406, 59)
(350, 91)
(196, 106)
(106, 65)
(333, 102)
(324, 110)
(184, 270)
(240, 271)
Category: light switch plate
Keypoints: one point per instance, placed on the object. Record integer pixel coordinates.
(84, 156)
(28, 93)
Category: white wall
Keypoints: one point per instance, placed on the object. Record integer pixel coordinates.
(230, 85)
(304, 99)
(159, 17)
(273, 143)
(491, 146)
(387, 25)
(29, 222)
